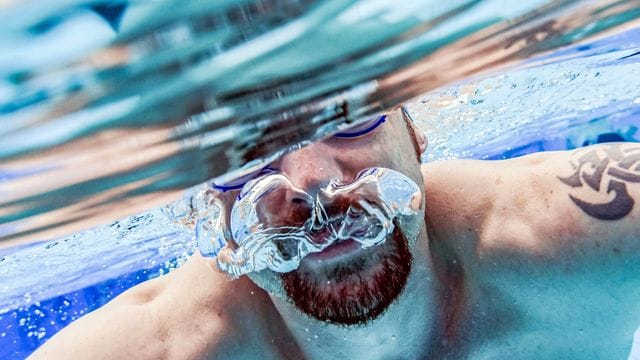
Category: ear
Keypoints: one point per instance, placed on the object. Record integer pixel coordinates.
(421, 137)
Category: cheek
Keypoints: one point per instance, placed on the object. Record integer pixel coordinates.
(383, 152)
(352, 161)
(386, 151)
(397, 152)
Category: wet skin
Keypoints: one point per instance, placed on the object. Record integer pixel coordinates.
(508, 265)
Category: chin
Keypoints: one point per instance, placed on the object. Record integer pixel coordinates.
(351, 289)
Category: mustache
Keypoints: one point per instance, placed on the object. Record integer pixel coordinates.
(359, 291)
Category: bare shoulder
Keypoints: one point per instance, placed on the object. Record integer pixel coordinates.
(549, 239)
(458, 193)
(185, 314)
(544, 204)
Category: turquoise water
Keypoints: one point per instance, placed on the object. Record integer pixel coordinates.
(192, 87)
(576, 96)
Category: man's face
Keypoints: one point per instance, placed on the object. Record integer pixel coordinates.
(344, 283)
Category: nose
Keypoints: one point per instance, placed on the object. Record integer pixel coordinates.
(311, 167)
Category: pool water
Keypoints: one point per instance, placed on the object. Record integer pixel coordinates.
(576, 96)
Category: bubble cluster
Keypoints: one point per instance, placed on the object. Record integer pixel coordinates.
(376, 198)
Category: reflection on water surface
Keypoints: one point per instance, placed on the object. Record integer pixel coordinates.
(159, 96)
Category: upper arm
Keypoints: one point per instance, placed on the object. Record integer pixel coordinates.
(581, 203)
(177, 314)
(120, 329)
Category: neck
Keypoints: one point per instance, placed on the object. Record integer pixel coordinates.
(406, 329)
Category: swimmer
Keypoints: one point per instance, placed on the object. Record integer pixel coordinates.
(536, 257)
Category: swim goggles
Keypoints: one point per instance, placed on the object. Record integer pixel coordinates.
(353, 132)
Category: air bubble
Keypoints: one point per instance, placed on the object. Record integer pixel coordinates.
(376, 198)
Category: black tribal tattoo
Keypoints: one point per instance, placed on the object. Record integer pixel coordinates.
(604, 170)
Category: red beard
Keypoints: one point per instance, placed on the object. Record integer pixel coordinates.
(355, 291)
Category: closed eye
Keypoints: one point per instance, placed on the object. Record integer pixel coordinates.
(361, 129)
(357, 131)
(238, 183)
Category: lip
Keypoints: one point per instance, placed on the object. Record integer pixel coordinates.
(336, 251)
